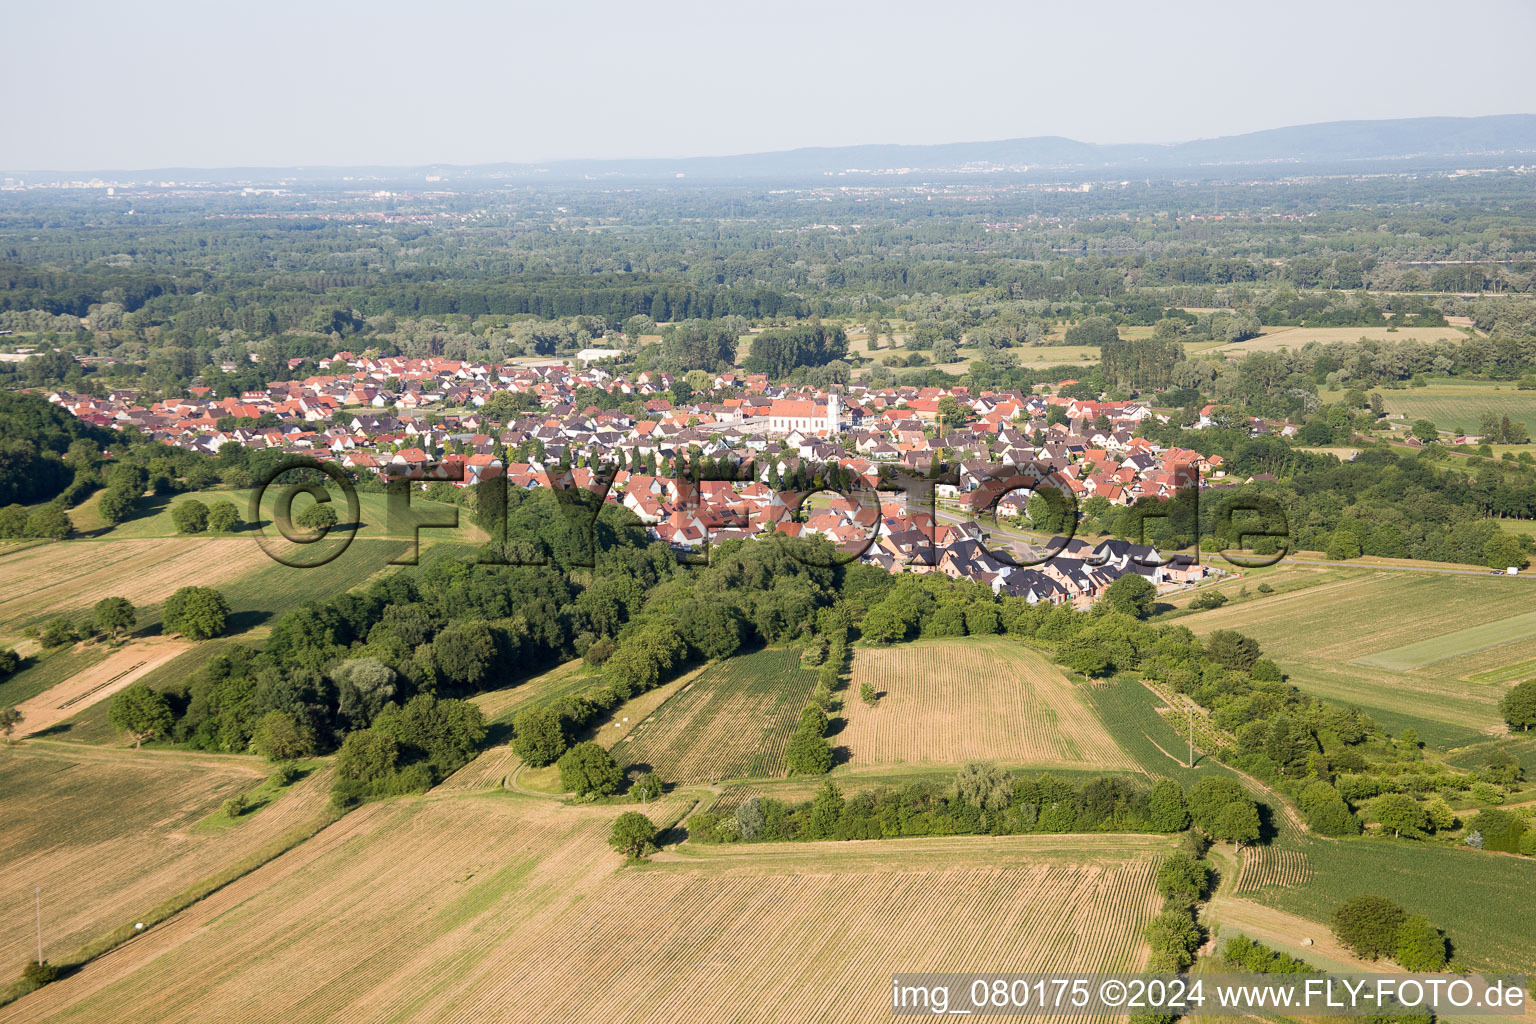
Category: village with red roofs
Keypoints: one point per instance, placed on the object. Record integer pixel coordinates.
(437, 419)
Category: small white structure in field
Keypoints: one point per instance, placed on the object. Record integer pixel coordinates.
(1512, 571)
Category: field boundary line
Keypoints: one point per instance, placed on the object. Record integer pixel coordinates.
(188, 897)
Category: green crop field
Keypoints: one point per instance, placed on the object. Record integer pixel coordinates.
(271, 588)
(1129, 711)
(1520, 746)
(1486, 913)
(503, 703)
(731, 722)
(1515, 673)
(1459, 642)
(1325, 639)
(1458, 406)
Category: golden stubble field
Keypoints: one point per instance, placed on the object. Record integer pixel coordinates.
(53, 579)
(117, 671)
(1296, 338)
(952, 701)
(511, 908)
(107, 833)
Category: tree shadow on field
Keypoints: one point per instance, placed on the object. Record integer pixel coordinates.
(836, 726)
(143, 508)
(672, 835)
(58, 729)
(241, 621)
(841, 755)
(1268, 830)
(497, 733)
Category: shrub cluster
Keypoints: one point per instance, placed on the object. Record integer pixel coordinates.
(984, 801)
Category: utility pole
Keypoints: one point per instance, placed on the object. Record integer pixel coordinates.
(37, 897)
(1191, 709)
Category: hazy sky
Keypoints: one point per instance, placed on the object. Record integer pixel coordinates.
(123, 84)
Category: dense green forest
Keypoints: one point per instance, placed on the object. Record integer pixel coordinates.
(176, 286)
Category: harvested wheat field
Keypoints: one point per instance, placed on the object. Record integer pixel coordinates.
(1297, 338)
(510, 908)
(387, 914)
(59, 578)
(117, 670)
(816, 934)
(952, 701)
(109, 833)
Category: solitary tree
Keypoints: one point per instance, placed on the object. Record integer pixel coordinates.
(1504, 550)
(223, 517)
(751, 818)
(1238, 822)
(1183, 875)
(808, 753)
(115, 504)
(10, 718)
(1208, 798)
(1519, 706)
(633, 835)
(113, 615)
(647, 786)
(141, 712)
(1369, 925)
(319, 516)
(1403, 815)
(539, 736)
(1420, 945)
(57, 632)
(589, 770)
(190, 516)
(197, 613)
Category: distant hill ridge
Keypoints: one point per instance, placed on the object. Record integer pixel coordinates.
(1421, 139)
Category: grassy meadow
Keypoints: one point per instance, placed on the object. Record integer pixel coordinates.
(1458, 406)
(1409, 648)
